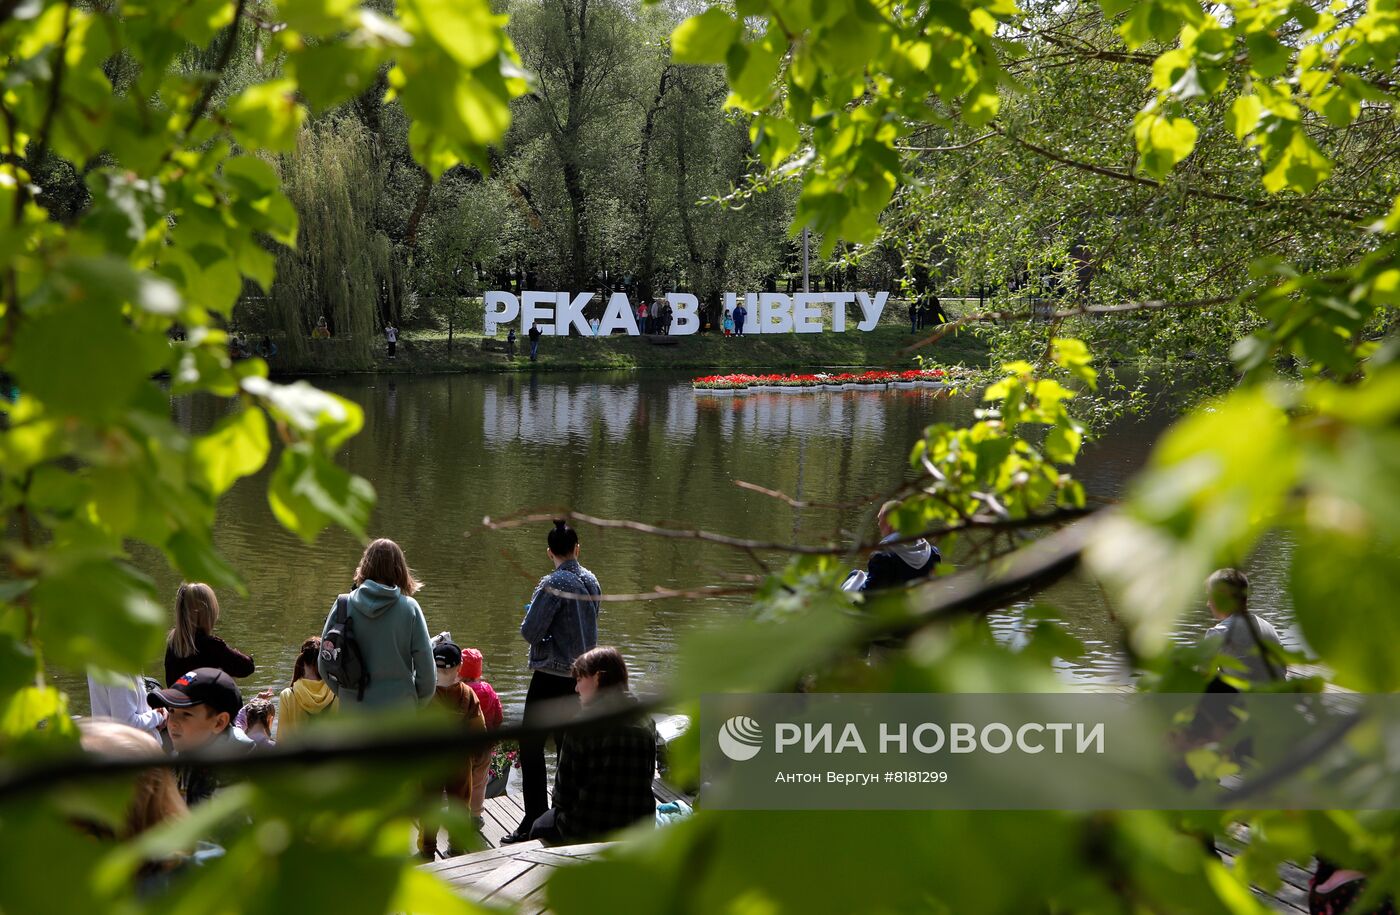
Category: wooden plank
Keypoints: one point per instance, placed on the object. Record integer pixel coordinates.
(491, 830)
(585, 850)
(497, 880)
(527, 883)
(475, 862)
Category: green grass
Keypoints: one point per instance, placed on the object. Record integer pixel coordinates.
(882, 347)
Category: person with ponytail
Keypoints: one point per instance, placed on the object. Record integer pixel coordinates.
(561, 623)
(308, 696)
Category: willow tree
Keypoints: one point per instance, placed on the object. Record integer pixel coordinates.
(343, 267)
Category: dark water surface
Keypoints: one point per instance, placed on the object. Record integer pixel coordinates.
(445, 452)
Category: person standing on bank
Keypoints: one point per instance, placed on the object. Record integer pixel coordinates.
(559, 628)
(534, 342)
(391, 336)
(192, 643)
(390, 630)
(740, 313)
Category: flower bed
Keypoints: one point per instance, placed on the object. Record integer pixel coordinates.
(873, 380)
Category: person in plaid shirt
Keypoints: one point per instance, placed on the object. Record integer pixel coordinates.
(604, 777)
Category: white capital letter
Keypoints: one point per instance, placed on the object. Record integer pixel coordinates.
(568, 312)
(618, 316)
(685, 313)
(806, 316)
(775, 313)
(871, 310)
(530, 312)
(501, 308)
(839, 301)
(785, 735)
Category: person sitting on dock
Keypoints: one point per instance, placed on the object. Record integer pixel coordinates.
(605, 773)
(896, 562)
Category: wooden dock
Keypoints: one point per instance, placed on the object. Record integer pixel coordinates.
(516, 874)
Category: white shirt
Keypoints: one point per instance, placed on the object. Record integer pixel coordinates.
(1235, 639)
(125, 702)
(392, 333)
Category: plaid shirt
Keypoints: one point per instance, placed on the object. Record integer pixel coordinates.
(604, 778)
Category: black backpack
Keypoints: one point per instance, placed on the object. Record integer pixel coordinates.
(342, 662)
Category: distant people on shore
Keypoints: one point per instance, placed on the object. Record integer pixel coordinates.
(741, 315)
(559, 627)
(308, 697)
(391, 338)
(202, 704)
(644, 316)
(728, 323)
(470, 673)
(1241, 634)
(192, 643)
(460, 703)
(389, 630)
(534, 342)
(322, 330)
(604, 778)
(510, 344)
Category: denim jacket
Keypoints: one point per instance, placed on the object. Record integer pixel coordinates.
(559, 629)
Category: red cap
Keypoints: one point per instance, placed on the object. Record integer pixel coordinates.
(471, 664)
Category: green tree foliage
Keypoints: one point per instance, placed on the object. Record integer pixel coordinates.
(180, 209)
(343, 267)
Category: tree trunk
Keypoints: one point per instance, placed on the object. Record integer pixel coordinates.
(646, 230)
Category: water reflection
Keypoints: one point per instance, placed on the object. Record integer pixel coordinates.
(445, 452)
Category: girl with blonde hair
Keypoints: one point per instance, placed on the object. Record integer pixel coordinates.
(193, 644)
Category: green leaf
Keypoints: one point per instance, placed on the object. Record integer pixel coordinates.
(1267, 55)
(308, 492)
(309, 412)
(116, 359)
(267, 115)
(466, 29)
(1163, 141)
(1243, 116)
(98, 612)
(236, 447)
(705, 39)
(1301, 167)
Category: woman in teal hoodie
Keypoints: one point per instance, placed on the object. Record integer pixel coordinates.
(391, 632)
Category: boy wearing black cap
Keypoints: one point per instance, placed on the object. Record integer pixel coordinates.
(202, 705)
(459, 701)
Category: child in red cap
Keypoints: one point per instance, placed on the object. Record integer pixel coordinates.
(470, 674)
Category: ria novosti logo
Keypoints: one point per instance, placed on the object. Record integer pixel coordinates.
(741, 738)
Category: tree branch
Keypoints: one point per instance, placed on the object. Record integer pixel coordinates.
(1185, 189)
(225, 56)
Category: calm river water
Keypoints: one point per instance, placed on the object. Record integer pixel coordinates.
(444, 452)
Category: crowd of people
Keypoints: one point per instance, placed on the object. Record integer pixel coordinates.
(604, 775)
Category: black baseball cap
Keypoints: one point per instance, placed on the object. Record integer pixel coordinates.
(447, 654)
(201, 686)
